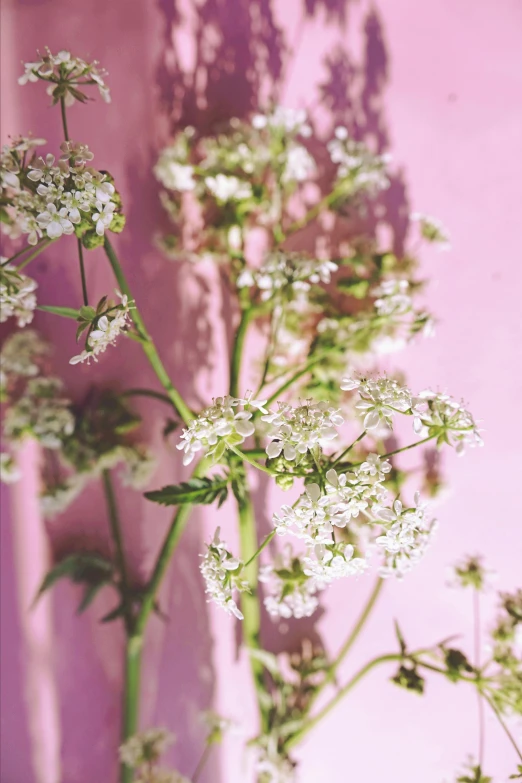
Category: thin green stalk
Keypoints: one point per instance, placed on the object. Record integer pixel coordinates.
(397, 451)
(312, 213)
(131, 699)
(348, 449)
(237, 351)
(64, 118)
(339, 696)
(82, 273)
(480, 704)
(146, 393)
(503, 724)
(359, 625)
(146, 340)
(298, 374)
(169, 545)
(258, 551)
(250, 601)
(37, 249)
(247, 458)
(117, 537)
(201, 763)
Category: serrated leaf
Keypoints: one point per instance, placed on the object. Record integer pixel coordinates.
(87, 567)
(197, 490)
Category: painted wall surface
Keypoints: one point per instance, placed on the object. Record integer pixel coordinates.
(440, 87)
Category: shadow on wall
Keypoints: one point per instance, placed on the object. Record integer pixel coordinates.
(236, 64)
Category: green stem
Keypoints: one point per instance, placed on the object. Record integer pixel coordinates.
(146, 393)
(504, 725)
(114, 521)
(37, 249)
(146, 340)
(237, 351)
(348, 449)
(397, 451)
(312, 722)
(131, 696)
(250, 601)
(82, 273)
(169, 545)
(298, 374)
(359, 625)
(201, 763)
(64, 118)
(258, 551)
(247, 458)
(312, 213)
(481, 716)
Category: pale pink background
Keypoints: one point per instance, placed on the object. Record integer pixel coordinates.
(440, 86)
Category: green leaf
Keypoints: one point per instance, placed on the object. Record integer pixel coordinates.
(86, 568)
(82, 327)
(400, 638)
(198, 490)
(113, 614)
(65, 312)
(268, 660)
(518, 774)
(354, 287)
(87, 312)
(456, 662)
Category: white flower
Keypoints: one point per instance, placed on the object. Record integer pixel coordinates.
(64, 72)
(287, 274)
(103, 217)
(299, 164)
(393, 297)
(226, 188)
(172, 174)
(357, 166)
(16, 295)
(21, 354)
(222, 574)
(294, 431)
(216, 425)
(446, 419)
(40, 412)
(108, 329)
(55, 222)
(325, 563)
(290, 593)
(381, 399)
(407, 535)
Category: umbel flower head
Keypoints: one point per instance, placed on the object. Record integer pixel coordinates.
(17, 297)
(67, 76)
(296, 430)
(46, 197)
(222, 574)
(227, 421)
(290, 592)
(105, 325)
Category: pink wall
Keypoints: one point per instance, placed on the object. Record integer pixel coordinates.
(439, 85)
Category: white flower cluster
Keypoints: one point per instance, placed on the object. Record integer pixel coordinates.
(408, 533)
(219, 424)
(290, 593)
(446, 419)
(290, 274)
(68, 192)
(432, 230)
(222, 574)
(327, 562)
(284, 119)
(17, 297)
(434, 414)
(393, 297)
(20, 357)
(228, 188)
(41, 412)
(381, 399)
(108, 328)
(294, 431)
(356, 164)
(67, 75)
